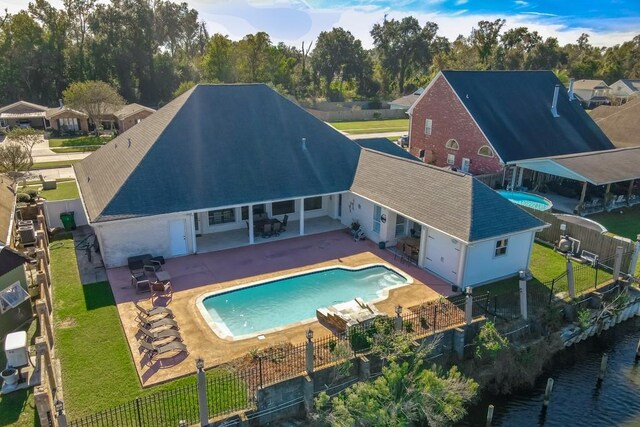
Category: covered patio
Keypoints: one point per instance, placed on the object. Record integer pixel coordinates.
(195, 275)
(608, 179)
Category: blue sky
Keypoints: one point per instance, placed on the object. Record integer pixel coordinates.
(292, 21)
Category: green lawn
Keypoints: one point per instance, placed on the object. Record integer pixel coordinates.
(373, 126)
(625, 224)
(97, 368)
(79, 141)
(65, 190)
(52, 165)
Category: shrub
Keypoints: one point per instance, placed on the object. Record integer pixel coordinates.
(23, 198)
(359, 340)
(408, 326)
(490, 342)
(584, 318)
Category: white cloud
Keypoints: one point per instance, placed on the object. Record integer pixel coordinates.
(521, 3)
(461, 2)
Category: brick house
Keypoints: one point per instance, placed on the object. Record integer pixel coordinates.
(480, 121)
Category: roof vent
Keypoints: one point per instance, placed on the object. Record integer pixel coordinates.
(571, 97)
(304, 143)
(554, 104)
(129, 139)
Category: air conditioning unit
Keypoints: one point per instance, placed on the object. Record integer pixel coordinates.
(25, 223)
(16, 350)
(27, 235)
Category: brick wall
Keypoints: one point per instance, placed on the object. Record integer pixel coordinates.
(450, 120)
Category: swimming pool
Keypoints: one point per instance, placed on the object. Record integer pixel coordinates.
(262, 307)
(527, 199)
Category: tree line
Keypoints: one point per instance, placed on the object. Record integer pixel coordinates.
(152, 51)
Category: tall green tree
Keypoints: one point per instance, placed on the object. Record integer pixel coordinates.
(79, 13)
(218, 62)
(403, 47)
(253, 53)
(485, 38)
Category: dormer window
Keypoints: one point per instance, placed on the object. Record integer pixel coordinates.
(485, 151)
(452, 144)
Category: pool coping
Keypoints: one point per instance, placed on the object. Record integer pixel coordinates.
(219, 328)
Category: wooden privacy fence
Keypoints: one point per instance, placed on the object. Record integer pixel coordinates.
(603, 245)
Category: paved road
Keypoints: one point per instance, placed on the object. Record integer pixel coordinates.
(374, 135)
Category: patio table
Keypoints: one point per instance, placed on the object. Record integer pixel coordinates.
(163, 276)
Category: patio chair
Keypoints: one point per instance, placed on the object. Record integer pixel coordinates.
(140, 282)
(266, 231)
(153, 311)
(152, 264)
(159, 288)
(150, 336)
(283, 224)
(159, 350)
(170, 323)
(276, 227)
(409, 253)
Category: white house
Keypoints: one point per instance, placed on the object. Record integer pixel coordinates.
(221, 160)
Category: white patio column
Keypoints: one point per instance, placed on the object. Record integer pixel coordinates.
(520, 177)
(302, 216)
(462, 261)
(513, 178)
(250, 214)
(422, 255)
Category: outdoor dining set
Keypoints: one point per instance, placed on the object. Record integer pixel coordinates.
(267, 227)
(147, 275)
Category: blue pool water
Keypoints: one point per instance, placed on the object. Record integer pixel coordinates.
(527, 199)
(255, 309)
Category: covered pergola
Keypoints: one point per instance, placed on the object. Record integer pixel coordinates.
(597, 168)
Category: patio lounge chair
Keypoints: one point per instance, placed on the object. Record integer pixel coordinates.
(151, 336)
(158, 323)
(158, 350)
(347, 314)
(156, 313)
(153, 311)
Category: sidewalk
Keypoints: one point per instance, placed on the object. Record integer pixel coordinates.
(59, 157)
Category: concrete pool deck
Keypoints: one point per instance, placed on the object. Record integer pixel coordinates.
(194, 275)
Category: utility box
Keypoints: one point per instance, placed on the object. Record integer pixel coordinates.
(16, 350)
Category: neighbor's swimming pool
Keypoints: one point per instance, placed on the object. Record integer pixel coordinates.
(527, 199)
(262, 307)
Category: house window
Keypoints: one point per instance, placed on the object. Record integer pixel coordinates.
(69, 124)
(12, 297)
(486, 151)
(257, 210)
(282, 208)
(222, 216)
(377, 213)
(421, 154)
(452, 144)
(501, 247)
(313, 203)
(451, 159)
(427, 126)
(401, 223)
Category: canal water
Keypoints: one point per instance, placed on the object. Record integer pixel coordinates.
(577, 398)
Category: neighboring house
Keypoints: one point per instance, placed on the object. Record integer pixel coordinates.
(24, 114)
(15, 305)
(405, 102)
(621, 123)
(479, 121)
(192, 177)
(591, 93)
(623, 89)
(65, 119)
(130, 115)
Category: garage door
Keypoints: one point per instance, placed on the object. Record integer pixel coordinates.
(443, 255)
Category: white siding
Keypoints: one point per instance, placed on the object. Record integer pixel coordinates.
(442, 255)
(53, 209)
(122, 239)
(483, 266)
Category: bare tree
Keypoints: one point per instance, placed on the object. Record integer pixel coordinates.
(14, 159)
(26, 138)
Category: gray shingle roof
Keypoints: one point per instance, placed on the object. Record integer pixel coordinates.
(130, 109)
(452, 202)
(215, 146)
(513, 110)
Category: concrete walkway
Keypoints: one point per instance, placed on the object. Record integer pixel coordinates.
(59, 157)
(51, 174)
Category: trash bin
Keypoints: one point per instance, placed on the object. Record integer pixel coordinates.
(382, 245)
(68, 221)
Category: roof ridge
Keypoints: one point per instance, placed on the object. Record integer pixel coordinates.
(416, 162)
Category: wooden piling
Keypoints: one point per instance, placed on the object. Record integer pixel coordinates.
(638, 351)
(489, 415)
(547, 392)
(603, 366)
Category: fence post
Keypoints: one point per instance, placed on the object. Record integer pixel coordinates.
(458, 342)
(618, 263)
(309, 352)
(634, 259)
(397, 321)
(307, 391)
(364, 368)
(42, 261)
(522, 283)
(202, 393)
(571, 283)
(43, 314)
(60, 414)
(44, 405)
(42, 351)
(468, 306)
